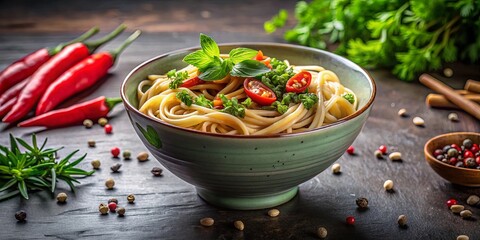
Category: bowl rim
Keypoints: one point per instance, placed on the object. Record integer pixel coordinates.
(430, 157)
(276, 135)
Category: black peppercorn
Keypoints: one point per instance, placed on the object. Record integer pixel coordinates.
(156, 171)
(113, 200)
(445, 149)
(467, 143)
(440, 157)
(21, 215)
(452, 152)
(459, 164)
(116, 167)
(362, 202)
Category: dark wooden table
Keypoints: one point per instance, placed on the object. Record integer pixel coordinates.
(168, 208)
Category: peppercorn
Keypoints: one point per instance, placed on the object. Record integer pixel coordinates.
(445, 148)
(475, 149)
(459, 164)
(469, 163)
(388, 185)
(322, 232)
(62, 197)
(108, 129)
(102, 121)
(362, 202)
(156, 171)
(115, 152)
(127, 154)
(457, 208)
(103, 209)
(437, 152)
(383, 149)
(87, 123)
(463, 237)
(418, 121)
(116, 167)
(452, 152)
(113, 200)
(468, 143)
(112, 206)
(395, 156)
(448, 72)
(239, 225)
(468, 154)
(350, 220)
(451, 202)
(21, 215)
(402, 220)
(336, 168)
(121, 211)
(402, 112)
(440, 157)
(453, 161)
(351, 150)
(207, 222)
(96, 164)
(142, 156)
(131, 198)
(456, 147)
(110, 183)
(453, 117)
(465, 214)
(273, 212)
(378, 154)
(91, 143)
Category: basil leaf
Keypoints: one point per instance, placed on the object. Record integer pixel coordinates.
(240, 54)
(216, 71)
(198, 59)
(249, 68)
(209, 46)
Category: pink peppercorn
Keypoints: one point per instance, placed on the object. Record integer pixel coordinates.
(112, 206)
(477, 160)
(350, 150)
(383, 149)
(451, 202)
(459, 149)
(467, 154)
(474, 148)
(108, 129)
(115, 151)
(452, 161)
(350, 220)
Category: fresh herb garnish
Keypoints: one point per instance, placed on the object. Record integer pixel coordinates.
(232, 107)
(213, 67)
(247, 102)
(176, 78)
(277, 78)
(350, 98)
(185, 97)
(307, 99)
(35, 169)
(201, 100)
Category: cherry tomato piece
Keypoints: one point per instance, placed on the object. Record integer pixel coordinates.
(259, 56)
(299, 82)
(258, 92)
(192, 82)
(217, 103)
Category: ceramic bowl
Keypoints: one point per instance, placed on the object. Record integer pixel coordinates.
(461, 176)
(250, 172)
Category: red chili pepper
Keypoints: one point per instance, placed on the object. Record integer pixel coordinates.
(13, 92)
(6, 107)
(299, 82)
(50, 71)
(80, 77)
(26, 66)
(258, 92)
(192, 82)
(93, 109)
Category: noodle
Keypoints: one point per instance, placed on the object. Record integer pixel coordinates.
(157, 100)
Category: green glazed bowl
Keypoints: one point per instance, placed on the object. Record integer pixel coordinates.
(250, 172)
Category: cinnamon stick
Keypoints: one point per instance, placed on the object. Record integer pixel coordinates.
(440, 101)
(472, 86)
(463, 103)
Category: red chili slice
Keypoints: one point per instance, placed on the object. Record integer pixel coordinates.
(192, 82)
(258, 92)
(260, 57)
(299, 82)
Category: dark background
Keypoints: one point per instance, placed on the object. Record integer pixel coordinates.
(167, 207)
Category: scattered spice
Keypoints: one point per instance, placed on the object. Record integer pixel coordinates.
(402, 220)
(351, 150)
(418, 121)
(62, 197)
(96, 164)
(103, 209)
(115, 152)
(457, 208)
(116, 167)
(110, 183)
(451, 202)
(383, 149)
(131, 198)
(378, 154)
(362, 202)
(463, 237)
(91, 143)
(402, 112)
(142, 156)
(127, 154)
(453, 117)
(112, 206)
(322, 232)
(108, 129)
(395, 156)
(88, 123)
(273, 212)
(113, 200)
(336, 168)
(207, 222)
(388, 185)
(121, 211)
(467, 155)
(448, 72)
(473, 200)
(21, 215)
(350, 220)
(102, 121)
(239, 225)
(466, 214)
(156, 171)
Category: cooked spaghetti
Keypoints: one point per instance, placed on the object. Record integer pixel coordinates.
(262, 105)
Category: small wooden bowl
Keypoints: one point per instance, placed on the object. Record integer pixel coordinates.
(461, 176)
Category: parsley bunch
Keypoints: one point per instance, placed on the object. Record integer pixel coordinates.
(35, 169)
(408, 36)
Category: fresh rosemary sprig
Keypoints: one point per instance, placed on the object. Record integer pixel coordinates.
(35, 168)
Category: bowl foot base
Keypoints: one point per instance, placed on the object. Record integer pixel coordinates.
(247, 203)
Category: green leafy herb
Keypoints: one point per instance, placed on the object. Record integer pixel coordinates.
(278, 77)
(408, 36)
(185, 97)
(247, 102)
(232, 107)
(35, 168)
(281, 108)
(213, 67)
(176, 78)
(204, 102)
(308, 100)
(350, 98)
(151, 135)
